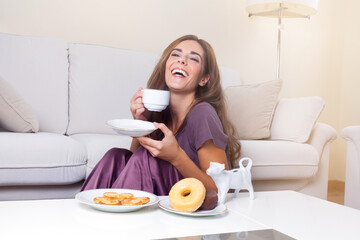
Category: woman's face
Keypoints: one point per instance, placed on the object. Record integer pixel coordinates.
(183, 67)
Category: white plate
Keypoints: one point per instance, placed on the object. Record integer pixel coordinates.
(87, 197)
(165, 204)
(131, 127)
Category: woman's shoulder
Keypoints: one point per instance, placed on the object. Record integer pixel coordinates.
(202, 110)
(203, 107)
(203, 124)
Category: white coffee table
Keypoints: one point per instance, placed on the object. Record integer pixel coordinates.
(297, 215)
(300, 216)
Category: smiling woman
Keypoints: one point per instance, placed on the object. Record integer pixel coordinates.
(192, 131)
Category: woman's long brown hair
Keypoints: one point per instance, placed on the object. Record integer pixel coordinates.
(212, 92)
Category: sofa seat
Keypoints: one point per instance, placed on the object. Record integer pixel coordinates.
(275, 160)
(40, 159)
(98, 144)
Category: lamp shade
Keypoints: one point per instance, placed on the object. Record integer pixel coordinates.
(289, 8)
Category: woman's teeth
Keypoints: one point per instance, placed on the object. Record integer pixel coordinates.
(179, 72)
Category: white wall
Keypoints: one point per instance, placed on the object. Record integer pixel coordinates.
(313, 52)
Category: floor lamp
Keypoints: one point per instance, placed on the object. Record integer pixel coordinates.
(281, 9)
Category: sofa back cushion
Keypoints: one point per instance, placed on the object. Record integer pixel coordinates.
(295, 118)
(15, 114)
(37, 68)
(251, 108)
(102, 81)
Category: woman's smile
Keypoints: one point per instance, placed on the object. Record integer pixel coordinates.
(178, 72)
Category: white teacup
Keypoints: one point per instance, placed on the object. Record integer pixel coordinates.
(155, 100)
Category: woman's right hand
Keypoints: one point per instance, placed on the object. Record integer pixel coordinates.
(137, 107)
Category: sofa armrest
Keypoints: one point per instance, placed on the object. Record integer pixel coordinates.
(352, 178)
(321, 135)
(351, 133)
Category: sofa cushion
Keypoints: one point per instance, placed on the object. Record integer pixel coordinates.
(98, 144)
(15, 114)
(37, 67)
(251, 108)
(40, 158)
(102, 82)
(295, 118)
(274, 160)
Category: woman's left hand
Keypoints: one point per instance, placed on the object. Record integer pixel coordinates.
(167, 149)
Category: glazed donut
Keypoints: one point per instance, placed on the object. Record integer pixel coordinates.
(187, 195)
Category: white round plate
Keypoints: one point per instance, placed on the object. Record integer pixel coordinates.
(87, 197)
(165, 204)
(131, 127)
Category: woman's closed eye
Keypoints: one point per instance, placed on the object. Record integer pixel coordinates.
(195, 59)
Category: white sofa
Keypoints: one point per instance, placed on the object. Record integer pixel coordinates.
(352, 178)
(75, 88)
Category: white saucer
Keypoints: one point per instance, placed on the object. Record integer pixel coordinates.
(87, 197)
(165, 204)
(131, 127)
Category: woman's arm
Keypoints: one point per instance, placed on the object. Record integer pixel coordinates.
(207, 153)
(138, 112)
(168, 150)
(137, 107)
(134, 145)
